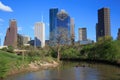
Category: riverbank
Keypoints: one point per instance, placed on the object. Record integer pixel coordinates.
(33, 66)
(11, 64)
(115, 63)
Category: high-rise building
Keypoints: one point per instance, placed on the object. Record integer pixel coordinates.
(103, 25)
(19, 40)
(60, 22)
(118, 35)
(11, 35)
(26, 39)
(53, 21)
(63, 27)
(72, 27)
(39, 32)
(82, 34)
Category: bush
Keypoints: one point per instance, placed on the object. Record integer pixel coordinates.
(70, 53)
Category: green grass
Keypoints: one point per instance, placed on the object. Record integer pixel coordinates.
(11, 61)
(7, 62)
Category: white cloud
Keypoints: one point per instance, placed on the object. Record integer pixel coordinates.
(20, 28)
(5, 7)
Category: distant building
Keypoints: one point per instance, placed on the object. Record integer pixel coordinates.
(39, 32)
(11, 35)
(60, 22)
(31, 42)
(72, 29)
(19, 40)
(118, 35)
(82, 34)
(86, 42)
(26, 39)
(23, 40)
(63, 23)
(47, 42)
(103, 25)
(53, 22)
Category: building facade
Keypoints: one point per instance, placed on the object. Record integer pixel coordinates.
(103, 25)
(11, 35)
(53, 22)
(39, 32)
(72, 27)
(118, 35)
(63, 25)
(26, 40)
(82, 34)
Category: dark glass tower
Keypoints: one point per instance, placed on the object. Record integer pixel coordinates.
(11, 35)
(118, 35)
(53, 21)
(103, 25)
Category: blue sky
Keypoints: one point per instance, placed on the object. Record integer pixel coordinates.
(84, 12)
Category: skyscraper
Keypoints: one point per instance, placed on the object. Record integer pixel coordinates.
(63, 22)
(26, 39)
(53, 21)
(72, 27)
(103, 25)
(39, 32)
(118, 35)
(11, 35)
(82, 34)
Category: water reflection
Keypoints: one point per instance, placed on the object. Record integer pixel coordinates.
(73, 71)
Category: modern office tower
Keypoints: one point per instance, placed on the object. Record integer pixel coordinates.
(63, 23)
(11, 35)
(53, 21)
(72, 27)
(103, 25)
(26, 39)
(39, 32)
(118, 35)
(82, 34)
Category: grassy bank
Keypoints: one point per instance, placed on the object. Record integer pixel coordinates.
(7, 62)
(10, 63)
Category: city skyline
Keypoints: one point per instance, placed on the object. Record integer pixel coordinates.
(27, 15)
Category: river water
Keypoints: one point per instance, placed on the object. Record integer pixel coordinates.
(73, 71)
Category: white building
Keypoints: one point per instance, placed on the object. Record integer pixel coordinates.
(39, 32)
(26, 39)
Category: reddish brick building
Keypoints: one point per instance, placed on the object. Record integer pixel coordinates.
(11, 35)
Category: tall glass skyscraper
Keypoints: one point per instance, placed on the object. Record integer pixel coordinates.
(63, 23)
(60, 22)
(53, 21)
